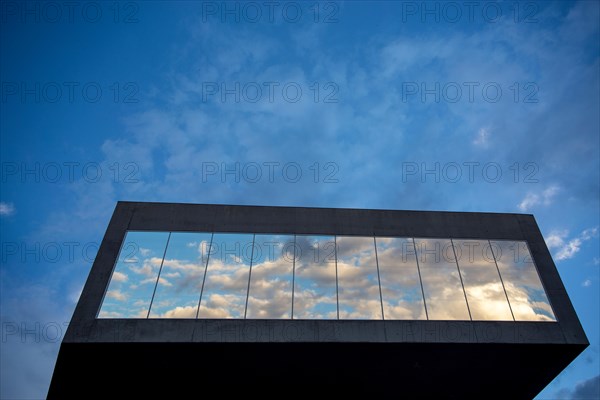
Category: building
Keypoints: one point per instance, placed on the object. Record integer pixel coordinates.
(269, 300)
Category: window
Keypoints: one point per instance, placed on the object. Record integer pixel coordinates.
(271, 276)
(315, 294)
(485, 292)
(180, 279)
(523, 286)
(400, 283)
(226, 281)
(134, 277)
(444, 295)
(270, 295)
(358, 282)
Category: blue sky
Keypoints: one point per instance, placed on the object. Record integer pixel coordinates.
(395, 105)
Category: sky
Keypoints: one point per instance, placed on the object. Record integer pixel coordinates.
(492, 106)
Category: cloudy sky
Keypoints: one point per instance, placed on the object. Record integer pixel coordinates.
(492, 107)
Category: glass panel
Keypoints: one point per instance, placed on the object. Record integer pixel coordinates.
(315, 295)
(180, 280)
(270, 295)
(134, 277)
(522, 282)
(358, 284)
(226, 284)
(485, 293)
(444, 295)
(400, 284)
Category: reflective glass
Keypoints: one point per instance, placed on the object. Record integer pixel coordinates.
(485, 292)
(358, 283)
(270, 295)
(444, 296)
(180, 279)
(400, 284)
(134, 277)
(525, 291)
(315, 295)
(226, 282)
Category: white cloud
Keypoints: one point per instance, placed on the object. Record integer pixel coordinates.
(119, 277)
(587, 283)
(589, 233)
(148, 268)
(110, 314)
(556, 239)
(567, 249)
(181, 312)
(529, 201)
(117, 295)
(164, 282)
(544, 198)
(6, 209)
(152, 280)
(482, 139)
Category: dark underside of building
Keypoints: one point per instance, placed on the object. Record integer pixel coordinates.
(106, 354)
(398, 370)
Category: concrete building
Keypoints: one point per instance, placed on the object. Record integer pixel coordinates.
(285, 300)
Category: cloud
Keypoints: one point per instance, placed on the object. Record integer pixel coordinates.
(181, 312)
(109, 314)
(119, 277)
(589, 233)
(567, 249)
(148, 268)
(164, 282)
(589, 389)
(6, 209)
(117, 295)
(556, 239)
(222, 306)
(152, 280)
(482, 139)
(544, 198)
(587, 283)
(584, 390)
